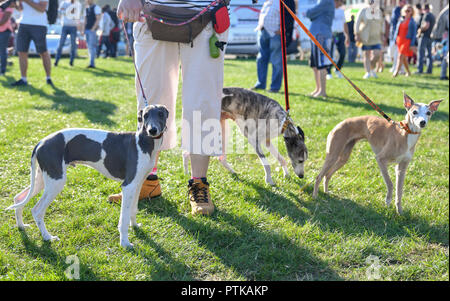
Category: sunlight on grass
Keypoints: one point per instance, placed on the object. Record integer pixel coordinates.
(258, 232)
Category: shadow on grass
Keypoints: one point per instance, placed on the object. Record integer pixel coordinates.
(103, 72)
(96, 111)
(252, 252)
(332, 213)
(170, 269)
(46, 253)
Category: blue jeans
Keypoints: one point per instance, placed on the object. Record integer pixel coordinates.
(352, 52)
(444, 65)
(92, 43)
(72, 31)
(4, 38)
(424, 45)
(269, 51)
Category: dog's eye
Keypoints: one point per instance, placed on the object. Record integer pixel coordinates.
(415, 112)
(145, 115)
(428, 113)
(301, 161)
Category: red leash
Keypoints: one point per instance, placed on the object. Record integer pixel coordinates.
(283, 56)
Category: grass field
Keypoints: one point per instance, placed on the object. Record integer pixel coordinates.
(258, 232)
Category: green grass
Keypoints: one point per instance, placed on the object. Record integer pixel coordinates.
(257, 232)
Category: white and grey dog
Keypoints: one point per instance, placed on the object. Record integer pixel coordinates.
(125, 157)
(261, 119)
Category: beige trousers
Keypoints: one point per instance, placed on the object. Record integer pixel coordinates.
(158, 63)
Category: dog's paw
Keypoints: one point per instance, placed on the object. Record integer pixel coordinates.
(51, 238)
(388, 202)
(127, 245)
(136, 225)
(23, 226)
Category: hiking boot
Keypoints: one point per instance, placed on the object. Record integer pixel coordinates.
(199, 197)
(150, 189)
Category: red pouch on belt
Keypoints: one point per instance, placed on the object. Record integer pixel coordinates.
(220, 18)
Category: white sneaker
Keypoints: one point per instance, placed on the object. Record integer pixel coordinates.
(338, 74)
(329, 76)
(367, 75)
(373, 74)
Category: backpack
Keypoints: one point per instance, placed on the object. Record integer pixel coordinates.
(52, 11)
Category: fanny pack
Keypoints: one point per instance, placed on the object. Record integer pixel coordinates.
(178, 32)
(182, 25)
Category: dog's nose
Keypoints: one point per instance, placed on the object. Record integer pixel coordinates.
(301, 176)
(423, 123)
(152, 131)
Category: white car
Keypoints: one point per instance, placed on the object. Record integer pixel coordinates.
(243, 21)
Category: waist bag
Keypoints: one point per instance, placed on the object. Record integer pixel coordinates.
(183, 33)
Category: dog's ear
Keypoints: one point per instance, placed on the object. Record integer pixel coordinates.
(408, 102)
(434, 105)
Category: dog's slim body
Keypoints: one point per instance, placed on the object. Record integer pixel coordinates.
(390, 143)
(261, 119)
(124, 157)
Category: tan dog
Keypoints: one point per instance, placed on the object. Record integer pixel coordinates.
(389, 142)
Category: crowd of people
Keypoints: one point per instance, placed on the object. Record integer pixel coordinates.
(76, 22)
(160, 52)
(409, 35)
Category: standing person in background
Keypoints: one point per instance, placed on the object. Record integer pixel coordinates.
(130, 47)
(439, 29)
(424, 34)
(384, 44)
(393, 50)
(114, 36)
(92, 16)
(33, 27)
(5, 33)
(289, 21)
(70, 11)
(321, 17)
(351, 47)
(340, 37)
(106, 25)
(369, 29)
(269, 46)
(405, 39)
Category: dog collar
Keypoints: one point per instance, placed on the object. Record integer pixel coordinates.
(159, 136)
(286, 122)
(405, 126)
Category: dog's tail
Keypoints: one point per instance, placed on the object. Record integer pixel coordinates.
(21, 199)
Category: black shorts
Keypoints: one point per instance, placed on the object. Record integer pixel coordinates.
(35, 33)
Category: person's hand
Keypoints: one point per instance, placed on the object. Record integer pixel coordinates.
(413, 49)
(130, 10)
(278, 32)
(357, 38)
(347, 42)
